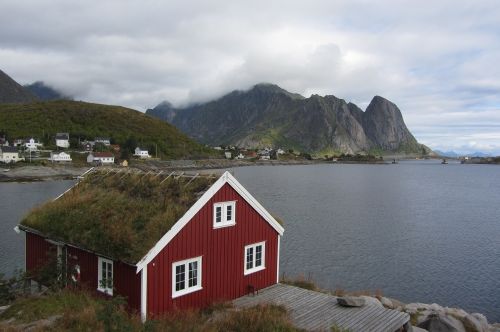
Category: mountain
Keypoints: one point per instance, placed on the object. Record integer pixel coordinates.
(45, 92)
(453, 154)
(82, 120)
(13, 92)
(268, 115)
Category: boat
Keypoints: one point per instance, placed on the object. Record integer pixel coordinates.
(444, 162)
(394, 161)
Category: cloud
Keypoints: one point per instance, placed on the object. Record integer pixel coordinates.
(437, 61)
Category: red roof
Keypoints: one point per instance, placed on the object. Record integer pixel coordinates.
(103, 154)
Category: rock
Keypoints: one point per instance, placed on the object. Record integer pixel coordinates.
(4, 308)
(351, 301)
(440, 323)
(372, 301)
(418, 329)
(483, 321)
(386, 302)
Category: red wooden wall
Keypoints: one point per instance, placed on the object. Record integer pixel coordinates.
(222, 252)
(125, 280)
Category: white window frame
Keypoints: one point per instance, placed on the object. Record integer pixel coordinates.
(254, 258)
(224, 221)
(100, 287)
(187, 289)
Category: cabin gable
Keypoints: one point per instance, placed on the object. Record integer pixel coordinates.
(223, 255)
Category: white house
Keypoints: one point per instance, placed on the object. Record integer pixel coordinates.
(62, 140)
(103, 140)
(9, 154)
(227, 154)
(32, 144)
(101, 158)
(63, 156)
(141, 153)
(240, 156)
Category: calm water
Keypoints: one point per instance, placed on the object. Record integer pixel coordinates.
(417, 231)
(16, 199)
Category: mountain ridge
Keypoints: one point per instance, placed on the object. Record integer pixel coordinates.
(13, 92)
(267, 115)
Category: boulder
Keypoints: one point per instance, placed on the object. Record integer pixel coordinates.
(386, 302)
(351, 301)
(372, 301)
(440, 323)
(417, 329)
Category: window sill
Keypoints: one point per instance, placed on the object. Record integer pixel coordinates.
(105, 291)
(186, 291)
(257, 269)
(224, 225)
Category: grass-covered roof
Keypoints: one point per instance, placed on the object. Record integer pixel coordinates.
(118, 215)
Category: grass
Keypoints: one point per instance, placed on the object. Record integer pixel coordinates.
(120, 217)
(124, 126)
(79, 311)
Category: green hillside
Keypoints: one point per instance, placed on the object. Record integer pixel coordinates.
(82, 120)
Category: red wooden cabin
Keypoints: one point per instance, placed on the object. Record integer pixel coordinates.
(224, 246)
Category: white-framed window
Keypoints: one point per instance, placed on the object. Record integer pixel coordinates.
(224, 214)
(186, 276)
(105, 275)
(255, 257)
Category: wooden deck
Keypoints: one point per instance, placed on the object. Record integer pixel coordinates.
(314, 311)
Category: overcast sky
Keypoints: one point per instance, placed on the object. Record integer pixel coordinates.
(437, 60)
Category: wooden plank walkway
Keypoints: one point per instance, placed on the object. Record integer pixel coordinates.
(315, 311)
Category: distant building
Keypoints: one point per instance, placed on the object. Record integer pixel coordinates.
(103, 140)
(240, 156)
(124, 163)
(104, 158)
(62, 140)
(18, 142)
(141, 153)
(60, 157)
(227, 154)
(9, 154)
(280, 151)
(87, 145)
(217, 148)
(32, 144)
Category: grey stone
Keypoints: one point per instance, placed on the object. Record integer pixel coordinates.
(418, 329)
(351, 301)
(440, 323)
(386, 302)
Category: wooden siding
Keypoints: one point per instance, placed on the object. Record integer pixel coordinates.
(125, 281)
(315, 311)
(222, 252)
(38, 252)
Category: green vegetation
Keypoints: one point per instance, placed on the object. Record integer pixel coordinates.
(79, 311)
(82, 120)
(118, 216)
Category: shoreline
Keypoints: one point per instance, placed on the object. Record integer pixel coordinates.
(37, 173)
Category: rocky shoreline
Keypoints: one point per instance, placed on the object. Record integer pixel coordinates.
(436, 318)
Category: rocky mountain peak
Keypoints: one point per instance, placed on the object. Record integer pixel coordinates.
(13, 92)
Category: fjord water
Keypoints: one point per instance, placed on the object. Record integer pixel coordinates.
(16, 199)
(418, 231)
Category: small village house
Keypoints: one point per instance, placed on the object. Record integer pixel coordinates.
(87, 145)
(9, 154)
(141, 153)
(101, 158)
(62, 140)
(32, 144)
(103, 140)
(228, 155)
(60, 157)
(167, 242)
